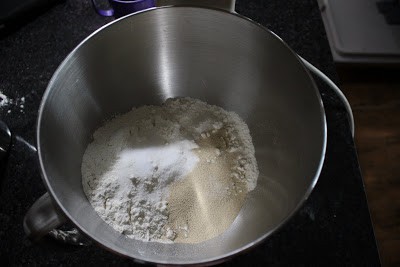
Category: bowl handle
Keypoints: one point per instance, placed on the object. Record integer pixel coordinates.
(41, 218)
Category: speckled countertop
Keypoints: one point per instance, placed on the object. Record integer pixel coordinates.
(332, 228)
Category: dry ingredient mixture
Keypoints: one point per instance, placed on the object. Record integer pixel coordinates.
(178, 172)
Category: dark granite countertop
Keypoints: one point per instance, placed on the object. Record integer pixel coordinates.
(332, 228)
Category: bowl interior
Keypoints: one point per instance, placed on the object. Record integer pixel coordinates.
(208, 54)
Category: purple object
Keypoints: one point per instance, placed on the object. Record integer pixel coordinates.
(121, 8)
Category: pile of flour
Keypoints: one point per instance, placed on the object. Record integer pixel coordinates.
(178, 172)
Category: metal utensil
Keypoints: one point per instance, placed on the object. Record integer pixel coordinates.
(210, 54)
(5, 140)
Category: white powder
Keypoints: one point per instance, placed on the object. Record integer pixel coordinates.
(5, 101)
(153, 172)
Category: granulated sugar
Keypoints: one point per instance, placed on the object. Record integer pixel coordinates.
(177, 172)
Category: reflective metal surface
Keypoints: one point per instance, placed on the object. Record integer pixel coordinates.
(5, 140)
(42, 218)
(213, 55)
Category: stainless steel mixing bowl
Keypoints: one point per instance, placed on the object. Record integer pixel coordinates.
(209, 54)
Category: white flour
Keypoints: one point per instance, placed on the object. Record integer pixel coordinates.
(148, 173)
(5, 101)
